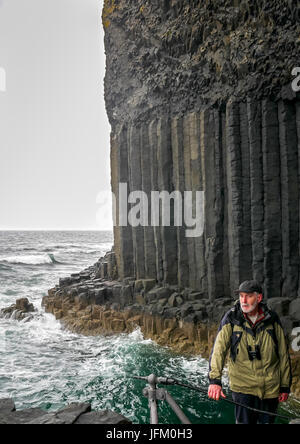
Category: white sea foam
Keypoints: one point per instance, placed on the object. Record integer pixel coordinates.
(136, 335)
(29, 259)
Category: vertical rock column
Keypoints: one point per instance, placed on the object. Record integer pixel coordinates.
(235, 195)
(179, 184)
(257, 188)
(119, 175)
(224, 202)
(197, 184)
(193, 181)
(135, 181)
(165, 184)
(188, 187)
(272, 200)
(149, 243)
(153, 141)
(220, 251)
(298, 136)
(210, 154)
(246, 252)
(114, 162)
(289, 197)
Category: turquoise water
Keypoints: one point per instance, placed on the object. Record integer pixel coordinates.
(43, 365)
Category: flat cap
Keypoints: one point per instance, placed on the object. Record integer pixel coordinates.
(249, 287)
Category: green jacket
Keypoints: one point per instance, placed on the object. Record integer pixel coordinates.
(266, 376)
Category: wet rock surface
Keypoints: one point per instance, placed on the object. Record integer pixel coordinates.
(72, 414)
(21, 310)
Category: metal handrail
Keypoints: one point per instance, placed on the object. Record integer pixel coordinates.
(154, 394)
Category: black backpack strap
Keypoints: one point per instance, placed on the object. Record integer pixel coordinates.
(236, 336)
(273, 319)
(272, 333)
(235, 341)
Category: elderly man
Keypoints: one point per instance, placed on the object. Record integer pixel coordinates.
(259, 363)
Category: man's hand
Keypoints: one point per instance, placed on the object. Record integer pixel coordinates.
(283, 397)
(215, 391)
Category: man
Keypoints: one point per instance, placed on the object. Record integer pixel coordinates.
(259, 363)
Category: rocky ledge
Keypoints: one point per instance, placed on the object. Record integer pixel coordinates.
(72, 414)
(185, 320)
(21, 310)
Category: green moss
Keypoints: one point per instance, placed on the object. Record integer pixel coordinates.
(108, 9)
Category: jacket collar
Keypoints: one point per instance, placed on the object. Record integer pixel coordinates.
(239, 318)
(260, 316)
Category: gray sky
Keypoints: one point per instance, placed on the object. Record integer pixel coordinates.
(54, 133)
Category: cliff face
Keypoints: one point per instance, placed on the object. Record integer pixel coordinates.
(199, 97)
(175, 56)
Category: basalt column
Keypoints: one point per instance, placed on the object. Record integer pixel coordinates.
(272, 199)
(289, 197)
(123, 242)
(247, 163)
(135, 185)
(179, 184)
(199, 98)
(149, 244)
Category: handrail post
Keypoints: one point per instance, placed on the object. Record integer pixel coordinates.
(176, 409)
(153, 394)
(153, 406)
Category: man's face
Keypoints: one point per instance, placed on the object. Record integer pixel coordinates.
(249, 301)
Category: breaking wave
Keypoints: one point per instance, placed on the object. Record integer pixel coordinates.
(45, 259)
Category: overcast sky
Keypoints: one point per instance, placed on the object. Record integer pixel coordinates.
(54, 133)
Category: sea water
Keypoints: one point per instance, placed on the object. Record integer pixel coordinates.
(43, 365)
